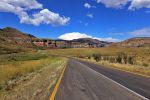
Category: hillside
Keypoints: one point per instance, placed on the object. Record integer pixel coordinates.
(92, 42)
(89, 40)
(13, 40)
(86, 40)
(135, 42)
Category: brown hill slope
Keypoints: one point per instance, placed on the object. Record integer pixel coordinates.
(81, 43)
(135, 42)
(13, 40)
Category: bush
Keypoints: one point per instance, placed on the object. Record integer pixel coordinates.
(119, 59)
(145, 64)
(89, 57)
(26, 57)
(105, 58)
(122, 58)
(112, 59)
(97, 57)
(80, 56)
(131, 60)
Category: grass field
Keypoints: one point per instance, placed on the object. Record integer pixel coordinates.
(141, 56)
(15, 69)
(38, 71)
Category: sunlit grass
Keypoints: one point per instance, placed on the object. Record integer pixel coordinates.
(126, 67)
(141, 55)
(16, 65)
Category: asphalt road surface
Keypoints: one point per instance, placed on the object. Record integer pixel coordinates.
(87, 81)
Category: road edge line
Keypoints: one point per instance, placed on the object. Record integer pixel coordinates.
(124, 87)
(52, 97)
(119, 69)
(118, 84)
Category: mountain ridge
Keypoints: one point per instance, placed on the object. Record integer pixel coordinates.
(12, 39)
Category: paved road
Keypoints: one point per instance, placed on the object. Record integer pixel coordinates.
(86, 81)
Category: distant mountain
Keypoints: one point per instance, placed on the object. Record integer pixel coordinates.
(91, 41)
(13, 40)
(135, 42)
(14, 33)
(86, 40)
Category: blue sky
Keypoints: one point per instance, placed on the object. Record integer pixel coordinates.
(108, 20)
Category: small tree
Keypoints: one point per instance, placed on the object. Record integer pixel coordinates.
(97, 57)
(119, 59)
(131, 60)
(111, 59)
(105, 58)
(124, 58)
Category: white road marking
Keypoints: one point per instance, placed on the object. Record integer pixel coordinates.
(117, 83)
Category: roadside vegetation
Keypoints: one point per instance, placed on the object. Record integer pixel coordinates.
(135, 60)
(38, 71)
(32, 72)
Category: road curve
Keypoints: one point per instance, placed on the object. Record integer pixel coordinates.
(82, 82)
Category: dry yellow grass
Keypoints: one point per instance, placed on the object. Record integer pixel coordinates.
(142, 56)
(14, 66)
(126, 67)
(15, 69)
(37, 85)
(104, 51)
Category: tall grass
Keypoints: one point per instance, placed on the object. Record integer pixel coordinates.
(139, 56)
(120, 58)
(16, 65)
(131, 59)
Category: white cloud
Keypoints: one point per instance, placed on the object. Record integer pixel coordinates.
(140, 32)
(21, 7)
(25, 4)
(133, 4)
(144, 32)
(47, 17)
(90, 15)
(137, 4)
(78, 35)
(113, 3)
(87, 5)
(74, 35)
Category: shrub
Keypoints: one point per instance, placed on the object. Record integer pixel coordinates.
(125, 59)
(105, 58)
(119, 59)
(112, 59)
(81, 56)
(97, 57)
(89, 56)
(131, 60)
(145, 64)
